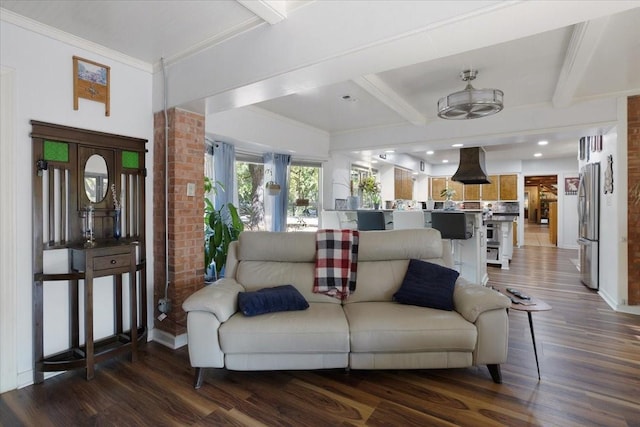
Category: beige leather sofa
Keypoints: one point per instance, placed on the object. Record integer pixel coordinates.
(367, 331)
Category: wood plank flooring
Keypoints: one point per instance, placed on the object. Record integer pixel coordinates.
(589, 360)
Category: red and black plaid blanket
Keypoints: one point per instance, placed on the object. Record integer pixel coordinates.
(336, 262)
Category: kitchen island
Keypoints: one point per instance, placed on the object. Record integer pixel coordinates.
(469, 255)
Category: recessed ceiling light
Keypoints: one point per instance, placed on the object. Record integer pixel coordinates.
(445, 161)
(389, 151)
(349, 98)
(543, 142)
(537, 155)
(457, 145)
(430, 152)
(374, 161)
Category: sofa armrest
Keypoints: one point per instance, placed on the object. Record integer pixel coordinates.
(471, 300)
(219, 298)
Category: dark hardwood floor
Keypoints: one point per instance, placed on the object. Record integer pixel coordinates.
(589, 359)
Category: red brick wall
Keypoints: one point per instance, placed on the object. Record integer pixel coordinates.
(633, 181)
(186, 232)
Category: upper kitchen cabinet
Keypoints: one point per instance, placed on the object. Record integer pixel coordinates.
(509, 187)
(437, 185)
(471, 192)
(403, 182)
(501, 188)
(458, 187)
(490, 191)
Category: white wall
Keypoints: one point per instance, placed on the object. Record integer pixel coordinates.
(42, 67)
(261, 131)
(8, 242)
(613, 275)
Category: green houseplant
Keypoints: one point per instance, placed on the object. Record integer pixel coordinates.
(370, 188)
(221, 227)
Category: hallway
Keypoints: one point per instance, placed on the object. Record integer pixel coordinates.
(536, 235)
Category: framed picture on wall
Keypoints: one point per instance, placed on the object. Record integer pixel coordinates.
(91, 81)
(571, 186)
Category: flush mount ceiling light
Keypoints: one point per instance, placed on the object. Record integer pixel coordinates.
(470, 103)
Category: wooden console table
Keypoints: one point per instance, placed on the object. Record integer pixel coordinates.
(112, 258)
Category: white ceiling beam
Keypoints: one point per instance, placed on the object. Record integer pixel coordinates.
(320, 46)
(383, 92)
(272, 11)
(583, 44)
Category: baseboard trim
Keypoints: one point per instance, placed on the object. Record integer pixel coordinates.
(167, 339)
(621, 308)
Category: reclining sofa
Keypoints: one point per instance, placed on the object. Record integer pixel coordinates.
(367, 330)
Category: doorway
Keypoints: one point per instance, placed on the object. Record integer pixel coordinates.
(541, 210)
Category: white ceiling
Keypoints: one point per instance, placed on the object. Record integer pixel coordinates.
(554, 69)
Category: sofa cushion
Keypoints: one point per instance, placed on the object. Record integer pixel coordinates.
(427, 285)
(270, 300)
(388, 245)
(380, 327)
(322, 328)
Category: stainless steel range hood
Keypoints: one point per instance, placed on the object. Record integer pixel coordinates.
(471, 169)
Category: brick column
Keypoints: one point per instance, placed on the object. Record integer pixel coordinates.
(633, 198)
(186, 231)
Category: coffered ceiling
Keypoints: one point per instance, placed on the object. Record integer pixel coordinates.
(334, 66)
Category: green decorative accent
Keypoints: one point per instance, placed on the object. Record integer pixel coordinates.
(56, 151)
(130, 160)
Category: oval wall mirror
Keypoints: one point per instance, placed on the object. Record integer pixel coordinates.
(96, 178)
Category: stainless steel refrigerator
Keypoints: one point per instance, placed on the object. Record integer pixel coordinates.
(589, 223)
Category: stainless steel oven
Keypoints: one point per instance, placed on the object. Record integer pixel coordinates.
(490, 232)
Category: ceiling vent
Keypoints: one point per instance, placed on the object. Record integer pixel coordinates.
(471, 169)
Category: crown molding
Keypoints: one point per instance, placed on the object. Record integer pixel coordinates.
(70, 39)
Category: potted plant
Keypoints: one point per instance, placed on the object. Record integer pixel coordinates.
(448, 194)
(371, 188)
(273, 188)
(222, 226)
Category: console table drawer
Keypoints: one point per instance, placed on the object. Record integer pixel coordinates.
(104, 260)
(110, 262)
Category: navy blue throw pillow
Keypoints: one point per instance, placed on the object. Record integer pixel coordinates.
(427, 285)
(270, 300)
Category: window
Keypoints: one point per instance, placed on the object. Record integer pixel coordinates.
(304, 194)
(250, 181)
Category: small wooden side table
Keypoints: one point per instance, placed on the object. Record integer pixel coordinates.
(533, 305)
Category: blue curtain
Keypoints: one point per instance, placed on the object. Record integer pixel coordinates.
(224, 158)
(276, 208)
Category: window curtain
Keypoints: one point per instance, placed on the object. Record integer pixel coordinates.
(276, 206)
(208, 165)
(224, 158)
